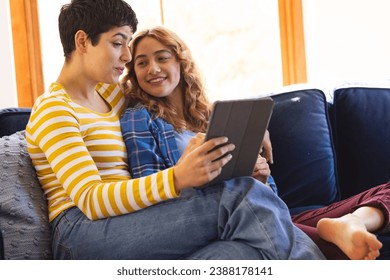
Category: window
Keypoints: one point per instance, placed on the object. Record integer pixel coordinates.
(236, 45)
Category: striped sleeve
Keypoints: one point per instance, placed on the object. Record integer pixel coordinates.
(54, 131)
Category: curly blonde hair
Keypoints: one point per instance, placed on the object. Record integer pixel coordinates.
(196, 104)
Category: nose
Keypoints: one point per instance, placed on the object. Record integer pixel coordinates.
(126, 55)
(154, 68)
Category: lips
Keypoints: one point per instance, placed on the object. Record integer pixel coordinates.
(120, 69)
(157, 80)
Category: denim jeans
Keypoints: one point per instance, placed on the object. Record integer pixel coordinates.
(208, 223)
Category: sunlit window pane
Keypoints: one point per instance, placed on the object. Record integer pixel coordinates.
(236, 43)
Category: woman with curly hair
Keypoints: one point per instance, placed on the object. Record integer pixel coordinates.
(169, 110)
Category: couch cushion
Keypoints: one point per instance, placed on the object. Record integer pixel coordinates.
(23, 207)
(361, 121)
(304, 163)
(13, 120)
(1, 246)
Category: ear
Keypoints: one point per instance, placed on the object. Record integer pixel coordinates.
(81, 39)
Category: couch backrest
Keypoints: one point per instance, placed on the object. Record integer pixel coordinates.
(13, 120)
(327, 151)
(304, 161)
(1, 246)
(361, 126)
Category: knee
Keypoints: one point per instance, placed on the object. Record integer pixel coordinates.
(246, 184)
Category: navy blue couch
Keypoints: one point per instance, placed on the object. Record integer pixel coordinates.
(323, 151)
(326, 150)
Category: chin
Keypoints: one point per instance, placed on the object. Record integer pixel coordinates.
(159, 94)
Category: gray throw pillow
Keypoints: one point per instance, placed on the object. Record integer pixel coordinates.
(23, 206)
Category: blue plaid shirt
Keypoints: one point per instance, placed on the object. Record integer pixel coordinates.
(151, 144)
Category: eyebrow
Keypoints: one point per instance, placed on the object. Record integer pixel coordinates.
(124, 36)
(156, 52)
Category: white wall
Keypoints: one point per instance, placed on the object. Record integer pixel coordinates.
(347, 40)
(8, 93)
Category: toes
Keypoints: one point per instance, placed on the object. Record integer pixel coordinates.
(372, 255)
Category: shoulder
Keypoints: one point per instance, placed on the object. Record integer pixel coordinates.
(137, 107)
(135, 112)
(51, 111)
(55, 101)
(135, 119)
(138, 118)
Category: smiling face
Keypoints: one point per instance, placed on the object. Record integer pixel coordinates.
(106, 60)
(157, 69)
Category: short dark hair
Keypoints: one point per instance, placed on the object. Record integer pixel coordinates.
(94, 17)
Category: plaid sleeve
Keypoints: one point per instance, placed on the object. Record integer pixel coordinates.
(139, 133)
(272, 184)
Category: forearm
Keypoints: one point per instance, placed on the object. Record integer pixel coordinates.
(101, 200)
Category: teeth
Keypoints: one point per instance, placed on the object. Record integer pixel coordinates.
(157, 80)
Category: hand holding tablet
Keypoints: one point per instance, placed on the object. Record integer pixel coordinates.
(244, 122)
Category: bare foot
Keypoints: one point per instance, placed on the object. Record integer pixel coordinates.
(351, 236)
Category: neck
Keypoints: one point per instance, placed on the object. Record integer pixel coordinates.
(77, 85)
(81, 89)
(177, 100)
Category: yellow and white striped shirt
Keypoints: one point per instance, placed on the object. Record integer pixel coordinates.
(81, 160)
